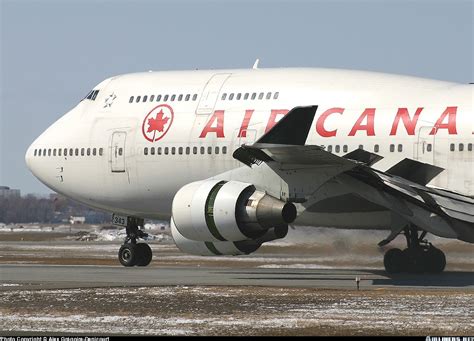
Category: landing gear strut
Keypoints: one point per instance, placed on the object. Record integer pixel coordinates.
(132, 253)
(419, 256)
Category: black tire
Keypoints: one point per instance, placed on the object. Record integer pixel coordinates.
(128, 255)
(144, 254)
(394, 261)
(435, 260)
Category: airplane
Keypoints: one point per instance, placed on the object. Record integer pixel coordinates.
(233, 157)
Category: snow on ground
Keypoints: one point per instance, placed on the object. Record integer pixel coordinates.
(236, 311)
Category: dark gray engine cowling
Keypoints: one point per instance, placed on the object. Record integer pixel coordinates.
(224, 248)
(219, 211)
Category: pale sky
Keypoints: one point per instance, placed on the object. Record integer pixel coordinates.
(54, 52)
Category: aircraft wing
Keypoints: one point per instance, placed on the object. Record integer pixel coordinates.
(401, 189)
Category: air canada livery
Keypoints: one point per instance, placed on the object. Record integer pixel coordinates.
(233, 157)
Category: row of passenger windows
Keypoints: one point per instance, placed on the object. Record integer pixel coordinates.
(69, 152)
(184, 150)
(163, 98)
(345, 148)
(452, 147)
(247, 95)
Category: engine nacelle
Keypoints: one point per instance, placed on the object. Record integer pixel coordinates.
(220, 211)
(226, 248)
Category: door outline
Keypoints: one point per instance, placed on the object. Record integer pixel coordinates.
(210, 93)
(117, 152)
(423, 139)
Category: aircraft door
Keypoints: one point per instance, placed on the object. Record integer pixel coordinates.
(211, 93)
(424, 149)
(117, 152)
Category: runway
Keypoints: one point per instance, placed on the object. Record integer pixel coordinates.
(82, 276)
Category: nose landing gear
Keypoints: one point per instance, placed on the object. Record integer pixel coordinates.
(420, 256)
(132, 253)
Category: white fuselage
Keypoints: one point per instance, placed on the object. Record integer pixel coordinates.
(143, 157)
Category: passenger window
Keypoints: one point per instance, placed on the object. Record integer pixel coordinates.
(376, 148)
(451, 147)
(202, 150)
(231, 97)
(60, 152)
(82, 151)
(165, 98)
(101, 151)
(71, 152)
(269, 95)
(77, 152)
(49, 152)
(54, 152)
(224, 95)
(138, 99)
(145, 151)
(361, 146)
(152, 98)
(428, 147)
(166, 150)
(224, 150)
(158, 98)
(173, 97)
(188, 150)
(36, 152)
(330, 148)
(44, 152)
(344, 148)
(461, 147)
(195, 150)
(400, 148)
(180, 98)
(209, 150)
(39, 152)
(469, 147)
(88, 151)
(392, 148)
(130, 100)
(152, 150)
(246, 96)
(173, 150)
(254, 95)
(65, 151)
(216, 150)
(187, 97)
(180, 150)
(195, 96)
(338, 149)
(239, 95)
(120, 151)
(94, 151)
(145, 98)
(158, 150)
(275, 95)
(260, 96)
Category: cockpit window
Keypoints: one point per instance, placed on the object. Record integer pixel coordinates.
(92, 95)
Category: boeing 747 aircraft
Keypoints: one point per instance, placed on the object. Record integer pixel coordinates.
(233, 157)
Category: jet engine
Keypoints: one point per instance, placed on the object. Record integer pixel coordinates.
(220, 248)
(227, 211)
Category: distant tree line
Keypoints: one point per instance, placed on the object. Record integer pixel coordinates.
(56, 209)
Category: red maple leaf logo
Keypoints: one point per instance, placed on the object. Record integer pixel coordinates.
(158, 123)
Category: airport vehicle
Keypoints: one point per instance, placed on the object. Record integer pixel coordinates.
(233, 157)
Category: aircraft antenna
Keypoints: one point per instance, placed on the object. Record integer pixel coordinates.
(255, 65)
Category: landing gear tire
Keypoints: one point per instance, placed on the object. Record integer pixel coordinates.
(128, 255)
(394, 261)
(436, 260)
(144, 254)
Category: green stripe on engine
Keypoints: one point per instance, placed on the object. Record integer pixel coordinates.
(209, 211)
(212, 248)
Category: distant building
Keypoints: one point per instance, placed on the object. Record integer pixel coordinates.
(77, 220)
(7, 192)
